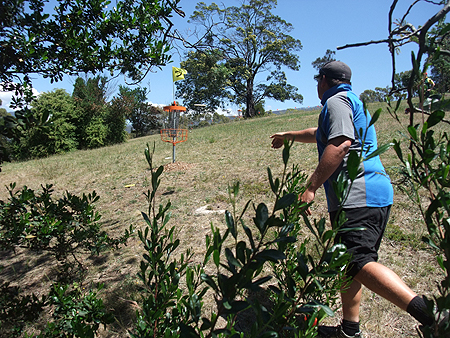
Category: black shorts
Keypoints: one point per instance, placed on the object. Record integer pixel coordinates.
(362, 244)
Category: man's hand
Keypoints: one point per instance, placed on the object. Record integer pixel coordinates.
(277, 140)
(308, 197)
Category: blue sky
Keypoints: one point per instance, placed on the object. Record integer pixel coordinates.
(319, 25)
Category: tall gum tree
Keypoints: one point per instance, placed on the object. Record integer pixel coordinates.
(252, 41)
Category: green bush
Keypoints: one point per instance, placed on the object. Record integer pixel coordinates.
(76, 314)
(237, 263)
(426, 173)
(16, 310)
(56, 132)
(63, 227)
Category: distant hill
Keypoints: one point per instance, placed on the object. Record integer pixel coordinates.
(295, 110)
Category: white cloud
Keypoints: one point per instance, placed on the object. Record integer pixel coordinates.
(160, 105)
(6, 97)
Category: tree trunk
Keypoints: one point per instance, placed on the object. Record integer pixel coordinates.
(250, 110)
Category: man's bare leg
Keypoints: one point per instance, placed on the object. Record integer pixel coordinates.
(351, 300)
(386, 283)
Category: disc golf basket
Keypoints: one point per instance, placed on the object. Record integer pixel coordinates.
(173, 134)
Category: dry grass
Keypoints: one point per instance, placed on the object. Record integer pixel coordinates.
(207, 163)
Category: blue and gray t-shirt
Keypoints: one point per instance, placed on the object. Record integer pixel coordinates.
(343, 115)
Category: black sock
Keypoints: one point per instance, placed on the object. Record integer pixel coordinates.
(350, 328)
(418, 309)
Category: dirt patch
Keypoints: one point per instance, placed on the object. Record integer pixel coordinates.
(178, 166)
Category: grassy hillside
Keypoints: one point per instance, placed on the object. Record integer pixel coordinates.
(210, 160)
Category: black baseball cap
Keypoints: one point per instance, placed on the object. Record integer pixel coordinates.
(336, 70)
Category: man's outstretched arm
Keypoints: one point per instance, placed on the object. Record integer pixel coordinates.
(305, 136)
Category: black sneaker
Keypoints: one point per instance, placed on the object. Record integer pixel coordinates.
(336, 332)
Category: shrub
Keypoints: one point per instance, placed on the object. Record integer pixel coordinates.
(76, 314)
(64, 227)
(308, 278)
(427, 181)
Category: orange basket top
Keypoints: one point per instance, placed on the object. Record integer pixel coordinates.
(174, 107)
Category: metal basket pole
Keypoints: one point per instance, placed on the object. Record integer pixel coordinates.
(173, 132)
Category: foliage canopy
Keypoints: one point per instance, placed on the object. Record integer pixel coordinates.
(242, 43)
(83, 36)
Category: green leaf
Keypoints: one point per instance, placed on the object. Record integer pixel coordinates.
(147, 220)
(286, 153)
(270, 255)
(380, 150)
(187, 331)
(239, 305)
(216, 257)
(440, 261)
(232, 261)
(320, 226)
(273, 186)
(302, 267)
(327, 235)
(430, 242)
(230, 224)
(353, 162)
(206, 324)
(240, 251)
(286, 239)
(261, 281)
(398, 150)
(285, 201)
(208, 280)
(408, 168)
(413, 133)
(262, 215)
(45, 116)
(249, 234)
(375, 117)
(327, 310)
(435, 117)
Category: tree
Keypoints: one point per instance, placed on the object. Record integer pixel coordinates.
(260, 110)
(145, 118)
(320, 62)
(377, 95)
(440, 66)
(90, 36)
(5, 149)
(142, 116)
(83, 36)
(122, 107)
(205, 82)
(115, 119)
(219, 118)
(252, 41)
(57, 136)
(90, 101)
(96, 122)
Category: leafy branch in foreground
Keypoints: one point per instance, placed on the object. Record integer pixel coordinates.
(308, 275)
(426, 181)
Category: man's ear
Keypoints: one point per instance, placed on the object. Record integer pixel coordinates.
(324, 84)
